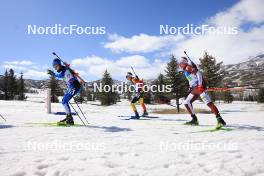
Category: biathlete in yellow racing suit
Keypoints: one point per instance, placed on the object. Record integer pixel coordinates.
(138, 97)
(197, 89)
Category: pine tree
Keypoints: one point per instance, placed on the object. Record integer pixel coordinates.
(12, 84)
(21, 88)
(90, 95)
(5, 85)
(228, 97)
(160, 95)
(55, 90)
(1, 87)
(80, 97)
(128, 95)
(147, 97)
(212, 72)
(107, 97)
(261, 95)
(177, 80)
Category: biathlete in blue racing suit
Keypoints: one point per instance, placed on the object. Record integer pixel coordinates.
(73, 87)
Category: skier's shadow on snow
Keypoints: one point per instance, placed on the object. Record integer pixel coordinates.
(231, 111)
(63, 113)
(6, 126)
(112, 129)
(173, 120)
(246, 127)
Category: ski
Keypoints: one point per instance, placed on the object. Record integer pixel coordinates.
(190, 124)
(55, 124)
(215, 130)
(146, 116)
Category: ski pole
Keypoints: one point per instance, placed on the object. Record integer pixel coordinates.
(190, 60)
(81, 111)
(187, 55)
(2, 117)
(134, 72)
(68, 65)
(78, 114)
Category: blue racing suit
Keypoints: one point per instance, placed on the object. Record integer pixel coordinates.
(73, 86)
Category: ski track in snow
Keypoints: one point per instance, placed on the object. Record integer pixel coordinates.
(135, 147)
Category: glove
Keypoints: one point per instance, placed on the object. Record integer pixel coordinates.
(189, 68)
(50, 72)
(200, 89)
(190, 89)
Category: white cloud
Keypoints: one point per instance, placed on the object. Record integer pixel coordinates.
(142, 43)
(231, 48)
(146, 68)
(246, 15)
(242, 12)
(23, 62)
(92, 60)
(29, 69)
(14, 67)
(34, 74)
(135, 61)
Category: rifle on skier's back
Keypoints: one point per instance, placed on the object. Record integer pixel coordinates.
(68, 66)
(193, 64)
(134, 72)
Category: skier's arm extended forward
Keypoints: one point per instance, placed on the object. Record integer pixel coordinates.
(57, 75)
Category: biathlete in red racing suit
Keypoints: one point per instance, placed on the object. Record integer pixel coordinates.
(197, 89)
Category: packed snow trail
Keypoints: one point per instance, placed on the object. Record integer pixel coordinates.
(111, 146)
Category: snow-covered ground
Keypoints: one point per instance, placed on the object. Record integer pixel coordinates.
(115, 147)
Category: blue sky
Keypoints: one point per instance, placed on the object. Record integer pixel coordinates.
(122, 19)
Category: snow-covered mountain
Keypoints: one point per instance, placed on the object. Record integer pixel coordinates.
(38, 84)
(246, 73)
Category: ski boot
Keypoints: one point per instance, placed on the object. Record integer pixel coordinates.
(194, 121)
(67, 121)
(70, 120)
(136, 116)
(145, 113)
(220, 122)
